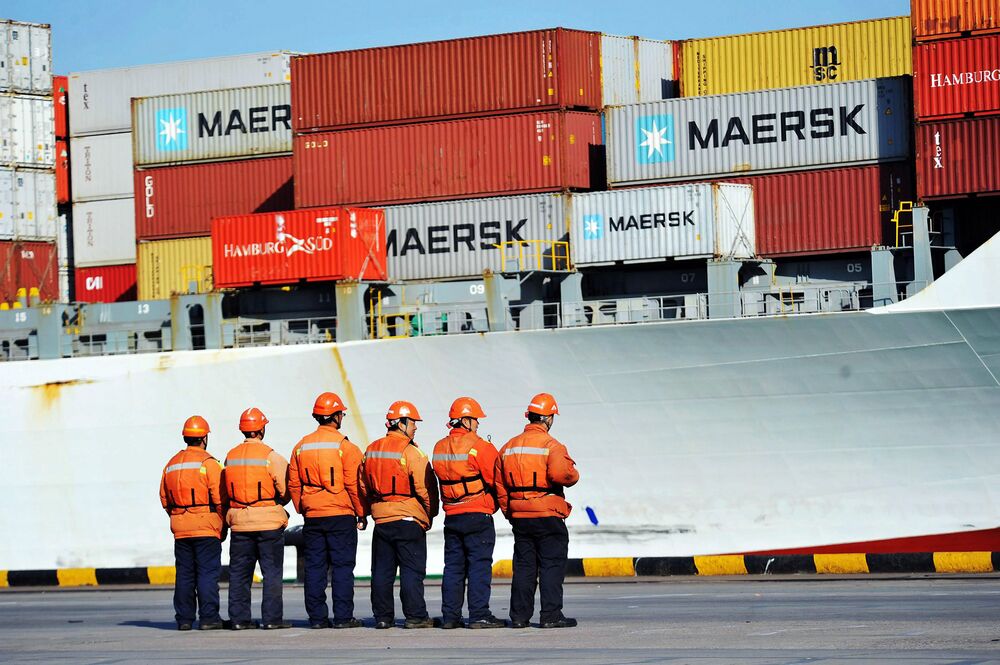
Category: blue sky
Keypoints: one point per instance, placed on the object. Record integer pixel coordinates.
(93, 34)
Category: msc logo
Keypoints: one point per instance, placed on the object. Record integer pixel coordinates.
(171, 129)
(655, 139)
(826, 63)
(593, 227)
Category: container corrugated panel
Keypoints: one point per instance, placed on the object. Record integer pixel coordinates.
(940, 19)
(27, 205)
(180, 201)
(458, 239)
(106, 283)
(100, 100)
(101, 167)
(27, 135)
(103, 233)
(956, 78)
(287, 247)
(166, 267)
(496, 74)
(60, 99)
(62, 171)
(801, 56)
(25, 57)
(213, 125)
(27, 265)
(958, 157)
(768, 131)
(647, 223)
(528, 152)
(636, 70)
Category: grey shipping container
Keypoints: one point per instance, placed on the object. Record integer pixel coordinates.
(648, 223)
(859, 122)
(25, 57)
(103, 233)
(100, 101)
(27, 205)
(101, 167)
(636, 70)
(212, 125)
(459, 239)
(27, 131)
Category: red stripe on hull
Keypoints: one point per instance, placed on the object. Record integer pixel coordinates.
(985, 540)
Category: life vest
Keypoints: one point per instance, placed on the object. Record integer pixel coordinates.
(456, 474)
(186, 482)
(386, 471)
(321, 464)
(525, 470)
(247, 475)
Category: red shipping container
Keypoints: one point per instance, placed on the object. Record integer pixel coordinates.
(62, 171)
(941, 19)
(60, 98)
(956, 78)
(180, 201)
(106, 283)
(544, 69)
(27, 265)
(958, 157)
(312, 245)
(515, 154)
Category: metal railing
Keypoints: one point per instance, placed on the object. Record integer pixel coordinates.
(429, 320)
(534, 255)
(277, 332)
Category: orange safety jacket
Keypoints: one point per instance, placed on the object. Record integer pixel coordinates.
(399, 481)
(531, 472)
(463, 463)
(324, 475)
(248, 479)
(191, 494)
(386, 473)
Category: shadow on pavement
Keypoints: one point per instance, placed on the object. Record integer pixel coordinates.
(159, 625)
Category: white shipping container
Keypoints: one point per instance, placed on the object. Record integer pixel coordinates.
(636, 70)
(27, 132)
(27, 205)
(647, 223)
(101, 167)
(103, 233)
(213, 125)
(841, 124)
(100, 101)
(458, 239)
(25, 57)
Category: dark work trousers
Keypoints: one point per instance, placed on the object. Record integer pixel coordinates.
(541, 545)
(468, 553)
(198, 562)
(401, 544)
(246, 548)
(330, 542)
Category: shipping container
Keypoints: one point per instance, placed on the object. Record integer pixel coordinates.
(958, 157)
(62, 171)
(828, 211)
(956, 78)
(27, 205)
(27, 265)
(106, 283)
(27, 135)
(180, 201)
(461, 239)
(528, 152)
(212, 126)
(103, 233)
(101, 167)
(800, 56)
(941, 19)
(636, 70)
(25, 57)
(292, 246)
(100, 100)
(60, 103)
(166, 267)
(769, 131)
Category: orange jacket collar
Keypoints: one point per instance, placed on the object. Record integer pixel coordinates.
(535, 427)
(398, 434)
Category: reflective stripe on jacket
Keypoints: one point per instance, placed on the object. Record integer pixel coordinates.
(531, 472)
(464, 464)
(191, 494)
(255, 480)
(324, 475)
(399, 481)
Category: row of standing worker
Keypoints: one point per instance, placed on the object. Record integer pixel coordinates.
(336, 489)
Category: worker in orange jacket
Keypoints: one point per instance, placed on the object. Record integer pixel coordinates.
(191, 493)
(324, 480)
(464, 465)
(404, 500)
(255, 480)
(531, 472)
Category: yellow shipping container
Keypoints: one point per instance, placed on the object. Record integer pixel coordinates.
(167, 267)
(802, 56)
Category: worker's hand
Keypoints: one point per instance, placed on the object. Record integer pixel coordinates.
(362, 523)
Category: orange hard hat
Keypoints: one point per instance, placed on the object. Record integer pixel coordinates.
(252, 420)
(543, 404)
(195, 426)
(465, 407)
(402, 410)
(328, 404)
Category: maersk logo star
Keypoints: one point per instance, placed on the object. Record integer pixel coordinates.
(593, 227)
(171, 129)
(655, 139)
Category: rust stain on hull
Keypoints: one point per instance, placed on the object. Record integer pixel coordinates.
(353, 409)
(50, 392)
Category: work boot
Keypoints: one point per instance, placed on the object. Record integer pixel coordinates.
(488, 622)
(382, 625)
(276, 625)
(322, 623)
(451, 624)
(347, 623)
(520, 624)
(211, 625)
(426, 622)
(243, 625)
(184, 625)
(559, 623)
